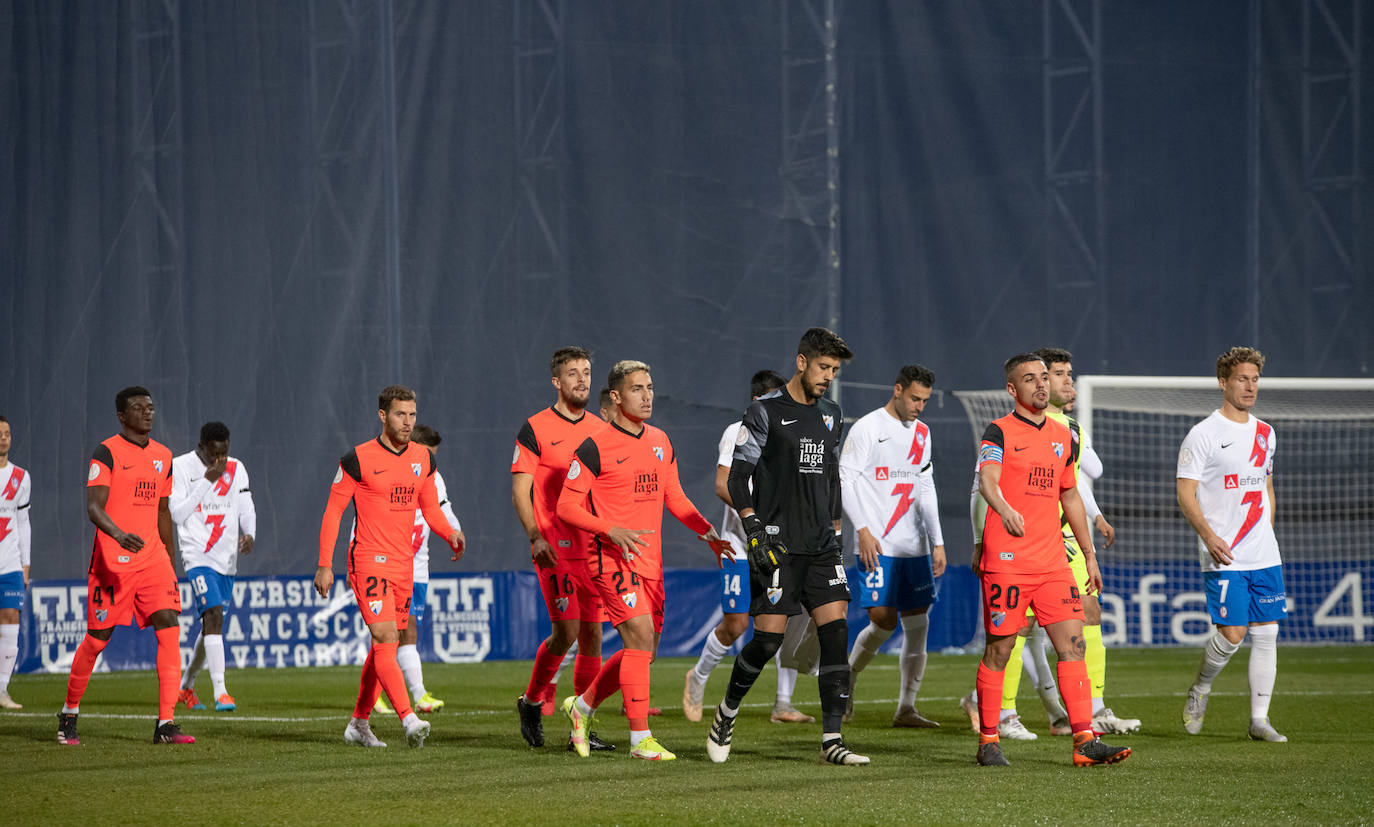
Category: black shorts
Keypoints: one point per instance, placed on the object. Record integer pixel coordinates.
(802, 582)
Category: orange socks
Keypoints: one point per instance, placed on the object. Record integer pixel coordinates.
(585, 669)
(1077, 692)
(83, 663)
(989, 698)
(545, 665)
(607, 681)
(634, 686)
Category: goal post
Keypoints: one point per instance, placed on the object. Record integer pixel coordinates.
(1324, 492)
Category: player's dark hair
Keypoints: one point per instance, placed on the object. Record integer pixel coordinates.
(1235, 357)
(425, 435)
(392, 393)
(3, 419)
(1019, 359)
(1051, 355)
(919, 374)
(603, 400)
(765, 381)
(122, 398)
(564, 355)
(214, 432)
(621, 369)
(818, 341)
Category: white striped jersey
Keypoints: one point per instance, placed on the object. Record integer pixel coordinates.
(209, 516)
(1232, 463)
(15, 535)
(888, 483)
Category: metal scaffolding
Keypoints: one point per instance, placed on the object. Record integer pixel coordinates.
(1332, 227)
(155, 101)
(810, 169)
(1075, 181)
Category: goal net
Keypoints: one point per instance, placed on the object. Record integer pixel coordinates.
(1323, 484)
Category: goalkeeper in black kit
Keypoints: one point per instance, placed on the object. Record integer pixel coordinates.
(789, 447)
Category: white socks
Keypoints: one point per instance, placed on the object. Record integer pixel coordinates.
(9, 653)
(1215, 655)
(408, 658)
(1038, 669)
(711, 653)
(214, 657)
(787, 684)
(563, 664)
(1264, 660)
(913, 658)
(866, 645)
(188, 675)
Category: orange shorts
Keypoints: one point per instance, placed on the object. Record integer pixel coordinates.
(112, 596)
(625, 595)
(569, 593)
(1006, 596)
(383, 595)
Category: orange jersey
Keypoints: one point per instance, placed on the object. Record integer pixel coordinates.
(620, 479)
(1037, 462)
(385, 487)
(544, 447)
(139, 478)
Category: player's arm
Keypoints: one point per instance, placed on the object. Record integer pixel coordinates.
(680, 506)
(1192, 512)
(522, 497)
(446, 506)
(24, 531)
(164, 528)
(1093, 511)
(832, 473)
(436, 518)
(753, 435)
(930, 513)
(572, 502)
(1072, 504)
(723, 484)
(187, 494)
(1273, 503)
(248, 513)
(990, 477)
(96, 498)
(340, 495)
(853, 465)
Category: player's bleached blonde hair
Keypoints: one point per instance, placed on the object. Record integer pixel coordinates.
(1238, 355)
(621, 369)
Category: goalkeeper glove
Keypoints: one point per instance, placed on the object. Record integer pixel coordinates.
(765, 553)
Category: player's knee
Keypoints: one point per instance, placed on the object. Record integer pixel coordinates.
(97, 638)
(563, 634)
(163, 619)
(212, 622)
(1092, 613)
(731, 627)
(833, 638)
(884, 618)
(763, 646)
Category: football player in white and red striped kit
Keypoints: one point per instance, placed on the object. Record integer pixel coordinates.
(216, 522)
(15, 486)
(888, 483)
(1226, 490)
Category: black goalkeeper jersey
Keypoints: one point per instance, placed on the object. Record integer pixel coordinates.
(791, 452)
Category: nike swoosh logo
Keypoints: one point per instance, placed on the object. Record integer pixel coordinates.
(622, 459)
(788, 421)
(885, 439)
(126, 467)
(1227, 444)
(555, 442)
(1021, 448)
(383, 471)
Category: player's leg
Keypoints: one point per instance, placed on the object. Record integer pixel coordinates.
(825, 594)
(797, 653)
(408, 653)
(1228, 602)
(591, 611)
(1001, 627)
(1058, 604)
(734, 580)
(11, 601)
(1268, 605)
(878, 594)
(915, 597)
(217, 596)
(156, 603)
(107, 603)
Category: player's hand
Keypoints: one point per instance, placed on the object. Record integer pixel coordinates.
(629, 540)
(937, 561)
(132, 542)
(975, 561)
(1105, 528)
(765, 553)
(542, 553)
(1014, 523)
(245, 544)
(1219, 549)
(324, 580)
(1093, 585)
(722, 548)
(214, 469)
(869, 549)
(458, 542)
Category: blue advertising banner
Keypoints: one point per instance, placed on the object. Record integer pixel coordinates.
(276, 622)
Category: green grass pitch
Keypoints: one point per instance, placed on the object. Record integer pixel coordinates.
(281, 757)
